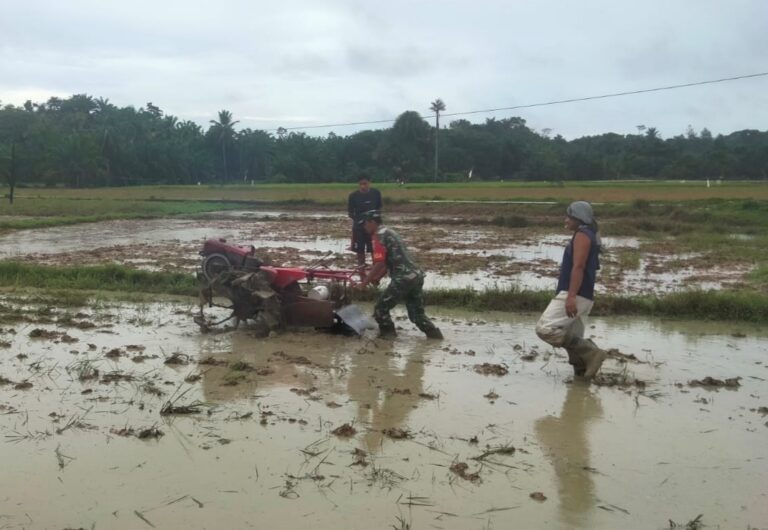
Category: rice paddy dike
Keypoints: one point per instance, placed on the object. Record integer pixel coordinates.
(698, 258)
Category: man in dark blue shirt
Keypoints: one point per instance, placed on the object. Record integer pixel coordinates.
(363, 200)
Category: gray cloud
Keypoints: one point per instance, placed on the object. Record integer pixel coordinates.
(342, 60)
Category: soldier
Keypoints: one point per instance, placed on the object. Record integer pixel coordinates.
(406, 278)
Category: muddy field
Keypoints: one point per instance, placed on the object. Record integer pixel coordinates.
(117, 415)
(454, 254)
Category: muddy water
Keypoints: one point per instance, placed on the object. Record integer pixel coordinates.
(260, 452)
(453, 255)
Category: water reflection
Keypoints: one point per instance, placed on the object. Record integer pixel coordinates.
(565, 442)
(298, 359)
(385, 385)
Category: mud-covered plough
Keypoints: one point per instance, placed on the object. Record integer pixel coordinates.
(274, 298)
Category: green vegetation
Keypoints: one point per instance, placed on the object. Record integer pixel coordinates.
(49, 211)
(83, 141)
(95, 278)
(759, 276)
(705, 305)
(69, 282)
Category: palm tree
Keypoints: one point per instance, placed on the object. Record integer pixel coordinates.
(225, 130)
(437, 107)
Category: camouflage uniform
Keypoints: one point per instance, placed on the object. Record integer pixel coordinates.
(406, 281)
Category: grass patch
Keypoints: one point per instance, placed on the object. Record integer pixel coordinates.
(628, 259)
(759, 276)
(742, 305)
(100, 277)
(336, 193)
(42, 212)
(748, 306)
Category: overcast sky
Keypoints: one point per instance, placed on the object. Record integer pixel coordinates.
(312, 62)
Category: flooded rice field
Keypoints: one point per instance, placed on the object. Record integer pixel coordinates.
(454, 255)
(118, 415)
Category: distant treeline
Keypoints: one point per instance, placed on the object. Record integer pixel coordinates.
(84, 141)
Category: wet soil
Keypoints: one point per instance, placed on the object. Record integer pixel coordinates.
(242, 432)
(454, 255)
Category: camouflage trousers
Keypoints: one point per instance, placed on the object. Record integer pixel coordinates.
(408, 291)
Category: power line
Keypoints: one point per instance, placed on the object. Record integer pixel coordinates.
(544, 104)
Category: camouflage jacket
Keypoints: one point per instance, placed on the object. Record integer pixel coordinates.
(389, 247)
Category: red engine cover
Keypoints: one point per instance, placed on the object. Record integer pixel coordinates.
(282, 276)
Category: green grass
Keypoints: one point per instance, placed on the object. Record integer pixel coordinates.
(750, 306)
(95, 278)
(759, 276)
(336, 193)
(51, 211)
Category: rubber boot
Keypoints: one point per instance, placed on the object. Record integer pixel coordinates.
(434, 333)
(387, 331)
(591, 355)
(576, 361)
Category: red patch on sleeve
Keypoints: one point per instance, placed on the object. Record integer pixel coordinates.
(379, 250)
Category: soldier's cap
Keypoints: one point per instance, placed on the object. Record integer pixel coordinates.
(370, 215)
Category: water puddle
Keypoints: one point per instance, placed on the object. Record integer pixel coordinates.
(453, 255)
(428, 440)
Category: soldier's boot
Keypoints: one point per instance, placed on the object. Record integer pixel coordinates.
(387, 331)
(434, 333)
(591, 356)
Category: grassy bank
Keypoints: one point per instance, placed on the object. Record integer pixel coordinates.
(336, 193)
(746, 306)
(41, 212)
(700, 305)
(95, 278)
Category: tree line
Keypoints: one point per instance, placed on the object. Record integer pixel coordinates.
(84, 141)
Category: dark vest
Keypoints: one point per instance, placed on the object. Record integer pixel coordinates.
(587, 289)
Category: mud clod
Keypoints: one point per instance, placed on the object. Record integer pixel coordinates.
(360, 457)
(39, 333)
(241, 366)
(617, 379)
(303, 391)
(344, 431)
(141, 434)
(177, 358)
(711, 382)
(115, 377)
(491, 369)
(293, 359)
(114, 353)
(461, 469)
(397, 434)
(210, 361)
